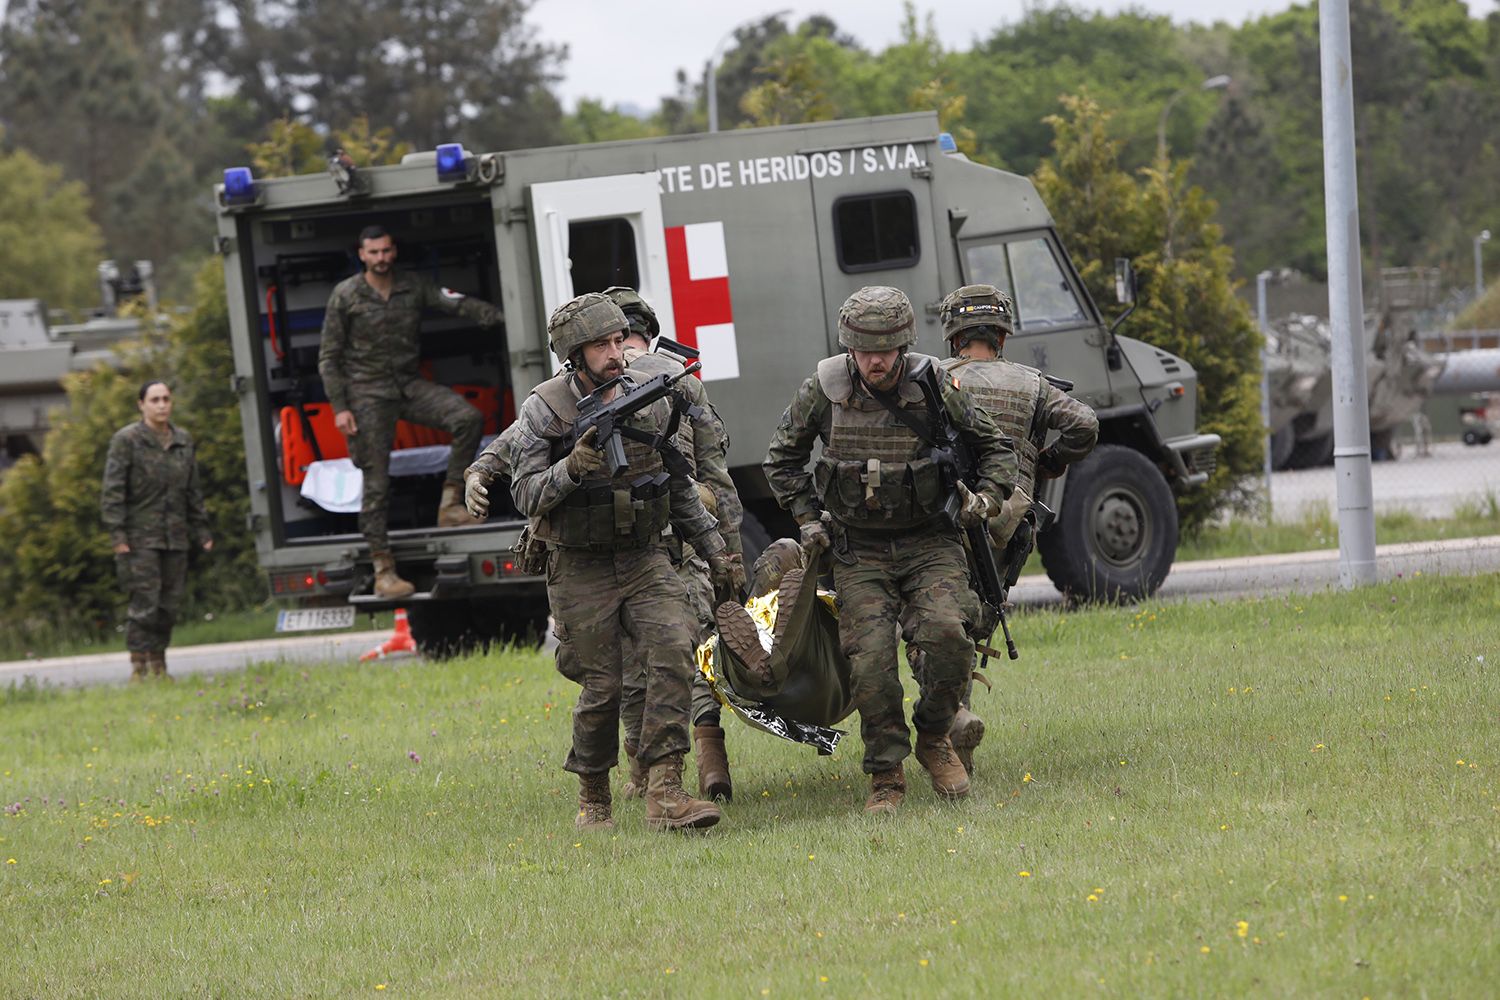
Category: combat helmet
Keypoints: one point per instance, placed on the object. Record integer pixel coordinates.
(877, 318)
(984, 312)
(641, 316)
(583, 320)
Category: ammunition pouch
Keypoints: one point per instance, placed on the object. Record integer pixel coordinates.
(601, 517)
(881, 495)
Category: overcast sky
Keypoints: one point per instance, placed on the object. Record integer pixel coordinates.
(629, 51)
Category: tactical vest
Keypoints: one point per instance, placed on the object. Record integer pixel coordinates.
(604, 514)
(1014, 396)
(649, 365)
(875, 472)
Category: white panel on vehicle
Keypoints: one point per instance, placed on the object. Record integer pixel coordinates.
(634, 198)
(707, 257)
(718, 352)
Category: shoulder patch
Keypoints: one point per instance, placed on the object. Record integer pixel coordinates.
(451, 295)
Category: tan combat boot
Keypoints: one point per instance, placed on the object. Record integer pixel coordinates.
(636, 787)
(159, 666)
(713, 763)
(668, 807)
(934, 752)
(451, 511)
(593, 803)
(389, 586)
(965, 734)
(140, 667)
(887, 791)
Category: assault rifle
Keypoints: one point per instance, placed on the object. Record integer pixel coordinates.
(631, 398)
(958, 463)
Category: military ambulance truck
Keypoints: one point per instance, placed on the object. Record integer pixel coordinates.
(746, 242)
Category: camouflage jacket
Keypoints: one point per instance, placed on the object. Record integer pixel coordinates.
(539, 478)
(151, 498)
(1026, 406)
(809, 418)
(371, 345)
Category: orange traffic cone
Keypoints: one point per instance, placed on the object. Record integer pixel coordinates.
(399, 642)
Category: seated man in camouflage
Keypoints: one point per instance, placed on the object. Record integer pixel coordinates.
(777, 663)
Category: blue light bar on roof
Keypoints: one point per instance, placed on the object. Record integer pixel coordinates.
(239, 186)
(946, 143)
(452, 164)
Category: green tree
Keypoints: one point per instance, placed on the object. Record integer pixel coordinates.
(49, 246)
(295, 147)
(1187, 303)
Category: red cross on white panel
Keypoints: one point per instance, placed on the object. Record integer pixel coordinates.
(699, 267)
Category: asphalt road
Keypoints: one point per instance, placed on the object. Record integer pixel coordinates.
(1301, 572)
(1431, 485)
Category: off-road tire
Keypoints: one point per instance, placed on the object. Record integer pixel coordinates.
(1116, 535)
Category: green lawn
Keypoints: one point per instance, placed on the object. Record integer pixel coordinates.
(233, 626)
(1287, 797)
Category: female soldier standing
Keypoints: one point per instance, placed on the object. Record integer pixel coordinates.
(153, 510)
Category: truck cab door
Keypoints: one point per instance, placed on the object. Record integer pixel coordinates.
(601, 231)
(1059, 331)
(873, 211)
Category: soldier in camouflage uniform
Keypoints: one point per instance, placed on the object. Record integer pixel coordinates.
(976, 321)
(705, 444)
(894, 551)
(608, 574)
(368, 360)
(153, 510)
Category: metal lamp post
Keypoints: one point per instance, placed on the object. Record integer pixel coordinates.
(1212, 83)
(1479, 242)
(710, 68)
(1261, 280)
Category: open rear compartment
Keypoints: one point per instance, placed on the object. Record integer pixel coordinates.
(291, 266)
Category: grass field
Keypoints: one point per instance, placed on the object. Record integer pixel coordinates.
(1287, 797)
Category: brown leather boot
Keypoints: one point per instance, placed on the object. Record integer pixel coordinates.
(965, 734)
(389, 586)
(451, 510)
(739, 635)
(668, 807)
(636, 787)
(934, 752)
(593, 803)
(887, 791)
(158, 661)
(140, 667)
(713, 763)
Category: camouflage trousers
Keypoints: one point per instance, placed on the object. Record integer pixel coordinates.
(705, 707)
(920, 581)
(423, 403)
(604, 604)
(155, 580)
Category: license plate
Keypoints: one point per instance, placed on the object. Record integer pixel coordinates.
(311, 619)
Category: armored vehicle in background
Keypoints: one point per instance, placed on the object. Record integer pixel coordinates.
(745, 242)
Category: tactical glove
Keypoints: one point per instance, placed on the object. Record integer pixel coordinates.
(585, 457)
(815, 537)
(727, 575)
(477, 494)
(977, 508)
(1048, 465)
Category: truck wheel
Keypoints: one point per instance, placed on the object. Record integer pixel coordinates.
(442, 629)
(1282, 444)
(1312, 453)
(754, 537)
(1471, 438)
(1116, 535)
(518, 620)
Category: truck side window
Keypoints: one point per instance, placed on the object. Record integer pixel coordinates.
(1030, 271)
(872, 232)
(601, 253)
